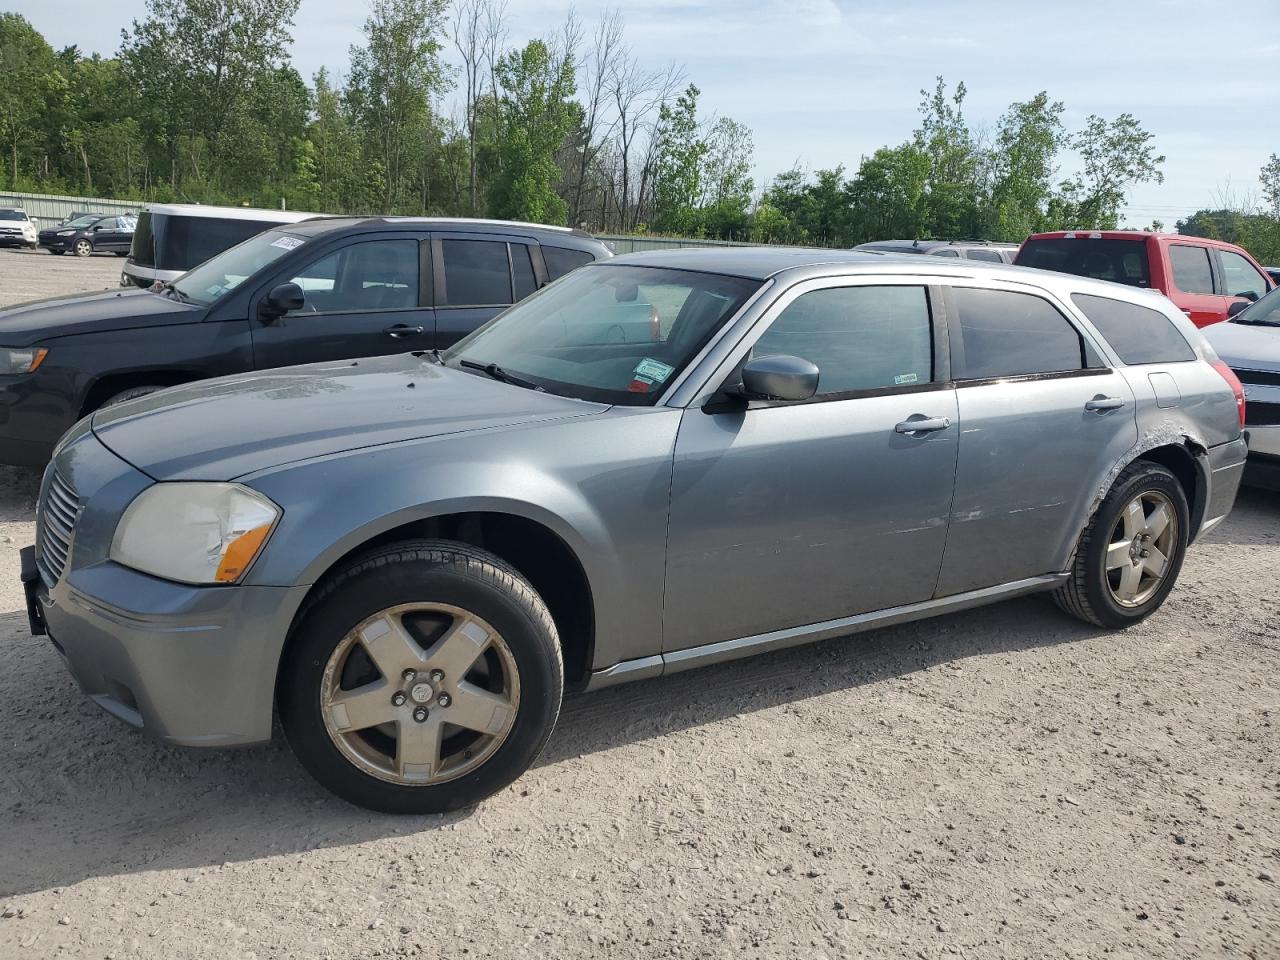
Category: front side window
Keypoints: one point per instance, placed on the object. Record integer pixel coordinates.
(476, 273)
(1242, 278)
(1005, 334)
(1191, 270)
(860, 338)
(615, 334)
(373, 275)
(1137, 334)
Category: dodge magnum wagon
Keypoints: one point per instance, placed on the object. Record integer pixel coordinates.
(410, 558)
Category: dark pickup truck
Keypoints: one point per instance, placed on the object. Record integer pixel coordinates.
(324, 289)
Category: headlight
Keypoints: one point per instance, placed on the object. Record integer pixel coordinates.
(194, 532)
(66, 233)
(25, 360)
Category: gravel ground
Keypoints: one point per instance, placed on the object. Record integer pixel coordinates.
(1001, 783)
(34, 274)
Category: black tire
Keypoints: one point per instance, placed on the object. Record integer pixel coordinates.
(131, 394)
(57, 253)
(83, 248)
(421, 571)
(1087, 595)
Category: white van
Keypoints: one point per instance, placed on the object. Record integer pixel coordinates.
(171, 238)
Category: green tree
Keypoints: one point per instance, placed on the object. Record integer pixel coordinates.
(1025, 162)
(678, 174)
(1114, 157)
(951, 187)
(28, 76)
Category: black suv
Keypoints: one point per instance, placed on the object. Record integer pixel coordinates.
(91, 233)
(324, 289)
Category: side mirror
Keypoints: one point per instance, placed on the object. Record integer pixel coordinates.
(1249, 295)
(284, 298)
(779, 378)
(1238, 307)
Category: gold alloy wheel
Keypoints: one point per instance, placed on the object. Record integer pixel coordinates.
(420, 693)
(1141, 548)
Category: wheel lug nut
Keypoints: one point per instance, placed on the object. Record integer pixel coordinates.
(437, 675)
(1145, 554)
(420, 714)
(398, 698)
(409, 674)
(444, 699)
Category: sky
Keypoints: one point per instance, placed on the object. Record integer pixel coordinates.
(825, 82)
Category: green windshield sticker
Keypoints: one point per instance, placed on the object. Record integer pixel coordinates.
(906, 378)
(654, 370)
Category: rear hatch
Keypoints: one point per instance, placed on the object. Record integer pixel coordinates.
(1119, 260)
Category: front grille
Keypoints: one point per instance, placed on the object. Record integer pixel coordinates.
(58, 514)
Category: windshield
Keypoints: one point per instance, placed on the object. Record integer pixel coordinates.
(217, 277)
(1265, 313)
(84, 221)
(615, 334)
(13, 215)
(1121, 261)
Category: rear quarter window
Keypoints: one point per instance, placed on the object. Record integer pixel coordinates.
(1137, 334)
(562, 260)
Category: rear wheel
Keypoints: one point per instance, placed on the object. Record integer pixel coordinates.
(83, 248)
(1129, 556)
(422, 678)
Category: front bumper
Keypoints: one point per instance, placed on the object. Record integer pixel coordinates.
(57, 243)
(34, 413)
(16, 240)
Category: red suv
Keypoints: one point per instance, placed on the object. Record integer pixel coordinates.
(1203, 277)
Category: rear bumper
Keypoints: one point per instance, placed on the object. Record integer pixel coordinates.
(1226, 470)
(193, 666)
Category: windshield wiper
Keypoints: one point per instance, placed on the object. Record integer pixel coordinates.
(497, 373)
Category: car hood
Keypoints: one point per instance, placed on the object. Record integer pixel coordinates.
(227, 428)
(40, 320)
(1246, 346)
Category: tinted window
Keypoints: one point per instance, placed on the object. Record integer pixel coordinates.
(1191, 270)
(560, 260)
(861, 338)
(12, 215)
(476, 272)
(1006, 334)
(374, 275)
(522, 271)
(1138, 334)
(989, 255)
(1121, 261)
(946, 252)
(1240, 276)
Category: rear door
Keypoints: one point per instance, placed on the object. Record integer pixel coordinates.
(364, 296)
(1191, 275)
(1043, 420)
(478, 275)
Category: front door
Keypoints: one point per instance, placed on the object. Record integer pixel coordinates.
(363, 298)
(789, 514)
(1044, 421)
(1191, 268)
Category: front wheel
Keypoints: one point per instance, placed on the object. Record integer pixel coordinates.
(83, 248)
(422, 678)
(1129, 556)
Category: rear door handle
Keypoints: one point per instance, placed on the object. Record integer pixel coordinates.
(1099, 404)
(402, 330)
(923, 425)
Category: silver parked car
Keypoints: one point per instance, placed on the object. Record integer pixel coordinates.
(1249, 343)
(662, 461)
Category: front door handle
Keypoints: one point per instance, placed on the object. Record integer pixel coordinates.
(1100, 404)
(402, 330)
(923, 425)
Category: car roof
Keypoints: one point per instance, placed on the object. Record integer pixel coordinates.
(565, 235)
(1129, 235)
(228, 213)
(799, 263)
(924, 246)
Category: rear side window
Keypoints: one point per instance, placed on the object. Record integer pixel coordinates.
(861, 338)
(1120, 261)
(1004, 334)
(1241, 277)
(476, 272)
(947, 252)
(522, 271)
(1191, 270)
(1137, 334)
(562, 260)
(989, 255)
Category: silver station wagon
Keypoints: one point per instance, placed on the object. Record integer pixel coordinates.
(661, 461)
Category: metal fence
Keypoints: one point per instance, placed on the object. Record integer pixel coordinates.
(52, 209)
(623, 244)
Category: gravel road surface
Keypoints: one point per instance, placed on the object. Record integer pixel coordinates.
(1002, 783)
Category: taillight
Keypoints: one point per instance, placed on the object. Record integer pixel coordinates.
(1233, 382)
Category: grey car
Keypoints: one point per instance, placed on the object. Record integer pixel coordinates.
(662, 461)
(1249, 343)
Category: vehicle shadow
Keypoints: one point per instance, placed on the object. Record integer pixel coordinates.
(1255, 519)
(84, 796)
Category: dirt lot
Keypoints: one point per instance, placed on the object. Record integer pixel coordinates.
(33, 274)
(1001, 783)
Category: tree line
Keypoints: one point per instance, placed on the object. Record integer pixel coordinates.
(202, 103)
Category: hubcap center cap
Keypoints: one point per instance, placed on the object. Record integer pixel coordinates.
(421, 692)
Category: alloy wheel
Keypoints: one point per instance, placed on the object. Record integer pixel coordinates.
(1140, 551)
(420, 693)
(83, 248)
